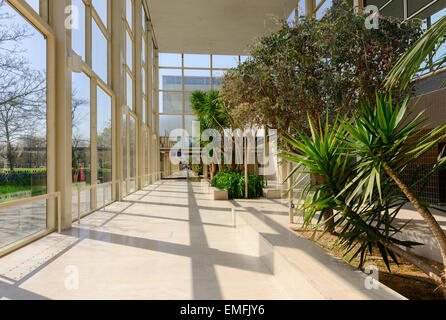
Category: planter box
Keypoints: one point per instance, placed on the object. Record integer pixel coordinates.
(272, 193)
(218, 194)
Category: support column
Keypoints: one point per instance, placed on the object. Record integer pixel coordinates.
(140, 172)
(117, 84)
(310, 5)
(63, 113)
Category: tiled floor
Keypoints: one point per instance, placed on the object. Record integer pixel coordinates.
(166, 242)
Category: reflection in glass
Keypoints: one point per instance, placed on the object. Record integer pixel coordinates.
(170, 79)
(129, 51)
(80, 154)
(197, 80)
(129, 84)
(169, 123)
(104, 137)
(171, 102)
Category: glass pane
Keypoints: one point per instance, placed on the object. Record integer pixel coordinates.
(101, 9)
(104, 195)
(170, 60)
(144, 110)
(129, 12)
(170, 79)
(188, 124)
(197, 80)
(80, 131)
(146, 152)
(169, 123)
(188, 108)
(124, 147)
(23, 221)
(132, 133)
(78, 30)
(22, 125)
(171, 102)
(197, 60)
(154, 118)
(143, 81)
(440, 54)
(129, 84)
(224, 61)
(323, 9)
(143, 51)
(100, 52)
(244, 58)
(104, 137)
(34, 4)
(129, 48)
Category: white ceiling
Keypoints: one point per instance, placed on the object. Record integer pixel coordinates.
(214, 26)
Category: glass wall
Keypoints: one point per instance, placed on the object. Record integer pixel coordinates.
(104, 140)
(129, 129)
(23, 124)
(179, 76)
(39, 97)
(81, 140)
(91, 108)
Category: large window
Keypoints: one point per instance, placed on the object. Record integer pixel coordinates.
(78, 31)
(81, 139)
(104, 140)
(91, 108)
(129, 126)
(132, 152)
(23, 129)
(179, 76)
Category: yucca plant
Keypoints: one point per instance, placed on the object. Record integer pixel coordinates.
(386, 139)
(359, 226)
(360, 161)
(410, 63)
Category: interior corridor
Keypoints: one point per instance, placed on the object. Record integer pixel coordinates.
(167, 241)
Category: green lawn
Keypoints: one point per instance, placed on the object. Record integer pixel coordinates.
(35, 191)
(24, 170)
(13, 189)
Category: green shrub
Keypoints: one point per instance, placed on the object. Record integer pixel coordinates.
(234, 183)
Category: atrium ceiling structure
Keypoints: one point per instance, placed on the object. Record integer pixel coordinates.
(214, 26)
